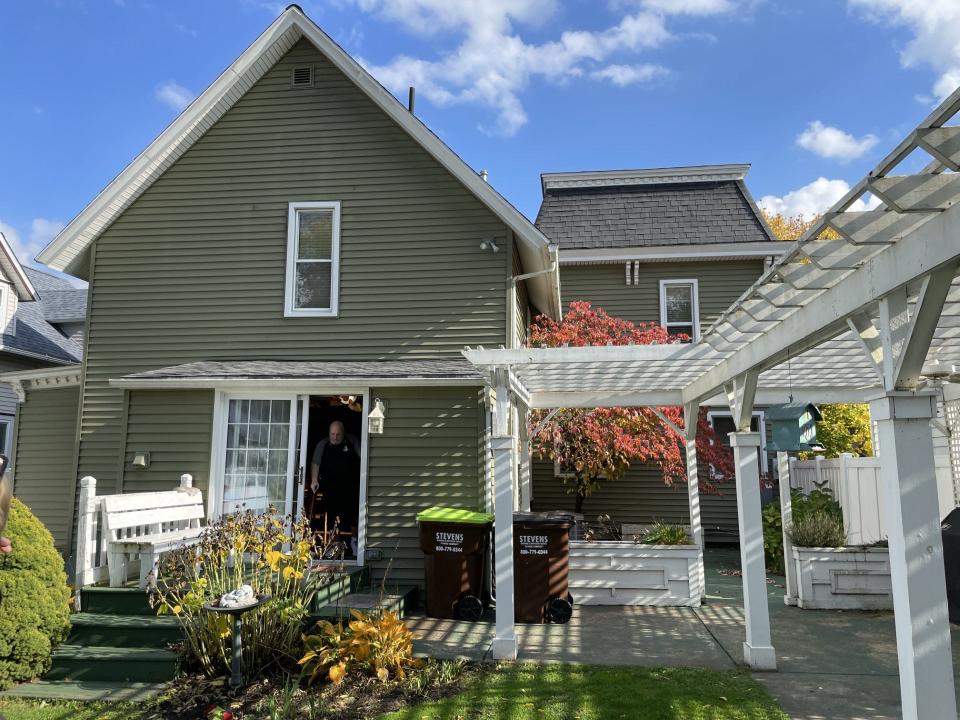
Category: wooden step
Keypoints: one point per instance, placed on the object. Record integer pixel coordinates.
(332, 588)
(86, 691)
(400, 600)
(114, 600)
(97, 663)
(107, 630)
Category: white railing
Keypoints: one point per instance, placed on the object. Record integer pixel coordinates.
(92, 539)
(854, 483)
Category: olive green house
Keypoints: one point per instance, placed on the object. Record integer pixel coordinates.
(296, 248)
(671, 246)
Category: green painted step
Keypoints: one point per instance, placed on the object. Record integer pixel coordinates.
(86, 691)
(114, 601)
(330, 589)
(399, 599)
(106, 630)
(142, 665)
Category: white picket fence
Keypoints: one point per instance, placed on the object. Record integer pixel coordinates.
(855, 484)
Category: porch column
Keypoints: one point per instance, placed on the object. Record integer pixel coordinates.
(758, 650)
(690, 413)
(786, 522)
(916, 553)
(524, 462)
(504, 645)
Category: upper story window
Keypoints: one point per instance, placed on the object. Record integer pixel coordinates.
(679, 308)
(313, 259)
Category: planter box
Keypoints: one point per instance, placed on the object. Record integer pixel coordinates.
(849, 578)
(624, 573)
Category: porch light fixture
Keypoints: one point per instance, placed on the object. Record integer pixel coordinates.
(376, 418)
(141, 460)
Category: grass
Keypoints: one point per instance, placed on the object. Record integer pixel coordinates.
(577, 692)
(523, 691)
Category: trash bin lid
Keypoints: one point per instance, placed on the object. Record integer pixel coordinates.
(454, 515)
(553, 518)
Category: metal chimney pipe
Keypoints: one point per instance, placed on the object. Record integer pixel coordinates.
(412, 99)
(483, 175)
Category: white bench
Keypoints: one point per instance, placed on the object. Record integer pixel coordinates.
(148, 524)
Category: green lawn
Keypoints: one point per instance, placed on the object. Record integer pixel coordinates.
(572, 692)
(524, 691)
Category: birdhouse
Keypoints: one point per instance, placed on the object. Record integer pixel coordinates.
(794, 427)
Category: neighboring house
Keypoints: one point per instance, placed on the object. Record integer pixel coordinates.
(293, 248)
(42, 320)
(673, 246)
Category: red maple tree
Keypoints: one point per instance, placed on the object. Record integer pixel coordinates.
(600, 444)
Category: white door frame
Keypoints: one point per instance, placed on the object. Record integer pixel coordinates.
(219, 437)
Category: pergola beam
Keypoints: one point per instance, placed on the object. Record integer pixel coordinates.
(929, 247)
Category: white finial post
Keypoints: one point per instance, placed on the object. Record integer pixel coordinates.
(186, 481)
(86, 552)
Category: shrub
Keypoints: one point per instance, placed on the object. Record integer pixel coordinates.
(773, 538)
(242, 549)
(660, 533)
(818, 529)
(819, 501)
(373, 646)
(34, 598)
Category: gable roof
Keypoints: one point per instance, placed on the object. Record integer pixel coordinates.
(61, 301)
(14, 272)
(701, 205)
(68, 251)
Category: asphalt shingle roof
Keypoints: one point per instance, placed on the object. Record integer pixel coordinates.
(60, 301)
(271, 369)
(648, 216)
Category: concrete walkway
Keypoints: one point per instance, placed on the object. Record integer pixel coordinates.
(832, 665)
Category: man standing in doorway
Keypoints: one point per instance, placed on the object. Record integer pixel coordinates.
(335, 475)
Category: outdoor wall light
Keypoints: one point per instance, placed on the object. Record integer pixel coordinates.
(376, 418)
(489, 244)
(141, 459)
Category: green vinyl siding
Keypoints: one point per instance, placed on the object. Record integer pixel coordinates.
(427, 455)
(175, 427)
(44, 461)
(10, 363)
(720, 283)
(194, 269)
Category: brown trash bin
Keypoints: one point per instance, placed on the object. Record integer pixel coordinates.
(541, 559)
(455, 543)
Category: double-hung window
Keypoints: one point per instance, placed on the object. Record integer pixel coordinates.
(313, 259)
(679, 311)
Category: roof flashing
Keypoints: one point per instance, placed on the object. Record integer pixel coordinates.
(642, 177)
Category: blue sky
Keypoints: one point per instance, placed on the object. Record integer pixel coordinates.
(811, 92)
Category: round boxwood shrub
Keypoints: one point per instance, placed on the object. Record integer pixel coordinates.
(34, 598)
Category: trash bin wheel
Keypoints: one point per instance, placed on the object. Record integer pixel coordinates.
(468, 607)
(559, 610)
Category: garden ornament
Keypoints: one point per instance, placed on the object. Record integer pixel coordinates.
(241, 597)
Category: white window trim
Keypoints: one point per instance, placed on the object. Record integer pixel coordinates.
(289, 304)
(4, 297)
(695, 303)
(8, 433)
(761, 425)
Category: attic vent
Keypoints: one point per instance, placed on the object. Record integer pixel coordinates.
(302, 77)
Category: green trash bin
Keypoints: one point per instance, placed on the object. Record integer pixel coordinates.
(454, 542)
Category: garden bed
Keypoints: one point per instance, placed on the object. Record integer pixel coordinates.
(613, 572)
(845, 578)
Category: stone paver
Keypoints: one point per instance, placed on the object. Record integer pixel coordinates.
(832, 665)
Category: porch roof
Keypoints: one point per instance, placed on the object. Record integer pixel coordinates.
(272, 373)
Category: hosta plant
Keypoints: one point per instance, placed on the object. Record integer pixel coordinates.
(269, 552)
(661, 533)
(381, 647)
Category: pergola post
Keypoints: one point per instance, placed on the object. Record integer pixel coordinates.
(524, 461)
(502, 443)
(690, 413)
(786, 522)
(916, 553)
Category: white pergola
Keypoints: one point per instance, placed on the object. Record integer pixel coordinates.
(856, 319)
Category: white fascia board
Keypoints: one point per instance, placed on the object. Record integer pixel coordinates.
(544, 400)
(25, 290)
(40, 373)
(294, 384)
(930, 246)
(811, 394)
(645, 176)
(114, 199)
(679, 253)
(60, 362)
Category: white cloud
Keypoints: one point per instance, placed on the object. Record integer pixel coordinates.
(623, 75)
(492, 64)
(42, 231)
(935, 25)
(831, 142)
(174, 96)
(814, 199)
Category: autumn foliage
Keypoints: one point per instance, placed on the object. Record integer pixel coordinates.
(600, 444)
